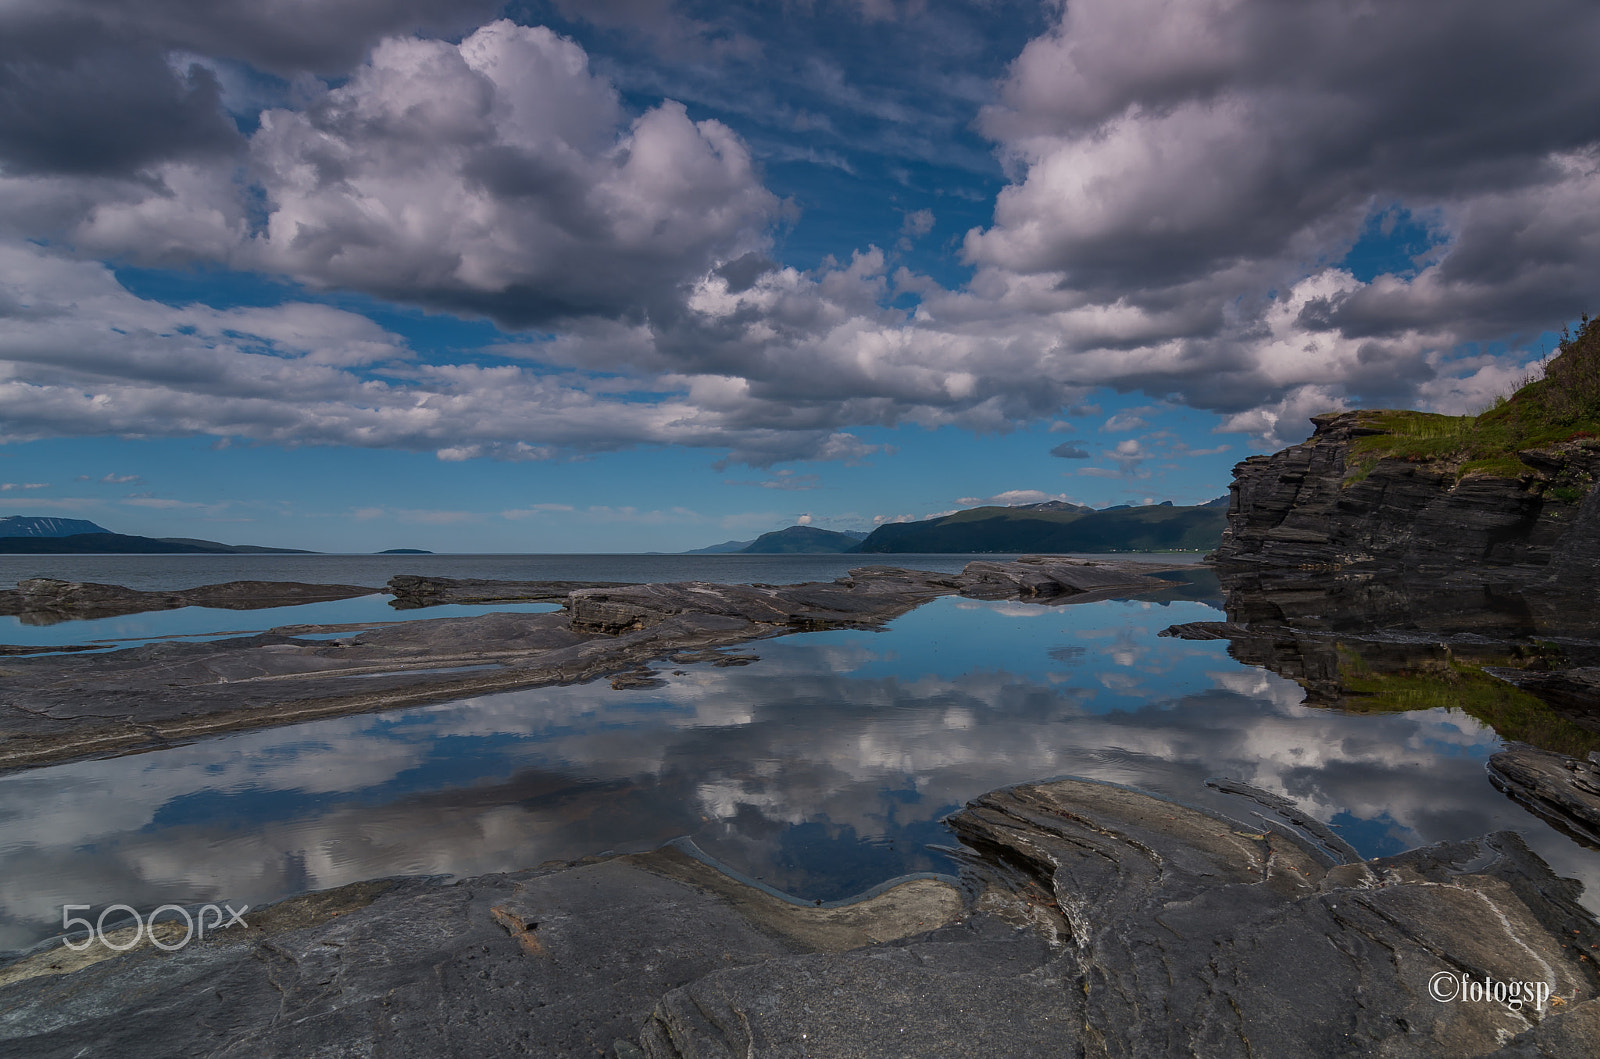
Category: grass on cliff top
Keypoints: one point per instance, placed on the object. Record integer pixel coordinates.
(1514, 714)
(1564, 405)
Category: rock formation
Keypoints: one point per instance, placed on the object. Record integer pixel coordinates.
(1090, 920)
(1341, 557)
(1563, 790)
(1317, 506)
(47, 601)
(412, 591)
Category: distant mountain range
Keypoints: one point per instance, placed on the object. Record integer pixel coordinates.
(36, 535)
(792, 541)
(804, 539)
(1056, 527)
(1051, 527)
(725, 548)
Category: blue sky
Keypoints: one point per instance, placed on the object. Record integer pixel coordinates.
(628, 275)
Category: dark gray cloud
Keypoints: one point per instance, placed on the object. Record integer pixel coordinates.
(113, 86)
(281, 36)
(1068, 451)
(78, 98)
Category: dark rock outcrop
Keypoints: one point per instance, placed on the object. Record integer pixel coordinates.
(1090, 920)
(1309, 506)
(47, 601)
(1045, 577)
(560, 961)
(868, 596)
(1560, 789)
(413, 591)
(1333, 552)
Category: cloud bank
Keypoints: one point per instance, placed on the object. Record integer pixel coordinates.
(1193, 193)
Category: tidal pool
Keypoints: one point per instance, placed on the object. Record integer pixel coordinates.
(822, 769)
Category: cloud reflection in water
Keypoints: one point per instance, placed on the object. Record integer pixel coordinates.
(823, 769)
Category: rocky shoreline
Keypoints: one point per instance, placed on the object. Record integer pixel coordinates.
(63, 706)
(49, 601)
(1381, 583)
(1089, 919)
(1319, 505)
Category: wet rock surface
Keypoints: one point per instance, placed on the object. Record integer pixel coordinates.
(1044, 578)
(1561, 789)
(413, 591)
(61, 706)
(1090, 920)
(1200, 935)
(47, 601)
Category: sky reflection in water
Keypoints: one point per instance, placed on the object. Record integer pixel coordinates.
(823, 769)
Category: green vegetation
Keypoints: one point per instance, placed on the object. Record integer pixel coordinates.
(1562, 406)
(1062, 528)
(1511, 712)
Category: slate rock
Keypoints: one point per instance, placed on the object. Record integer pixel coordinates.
(1090, 919)
(1307, 507)
(414, 591)
(1563, 790)
(48, 601)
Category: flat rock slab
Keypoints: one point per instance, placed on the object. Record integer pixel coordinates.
(1194, 935)
(1091, 920)
(1560, 789)
(59, 707)
(1043, 577)
(564, 961)
(863, 598)
(47, 601)
(412, 591)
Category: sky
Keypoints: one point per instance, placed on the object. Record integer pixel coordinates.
(646, 275)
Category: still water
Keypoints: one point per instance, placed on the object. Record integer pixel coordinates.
(823, 769)
(168, 572)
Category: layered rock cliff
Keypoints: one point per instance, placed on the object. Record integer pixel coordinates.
(1325, 504)
(1399, 560)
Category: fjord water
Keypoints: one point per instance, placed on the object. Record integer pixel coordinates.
(822, 769)
(166, 573)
